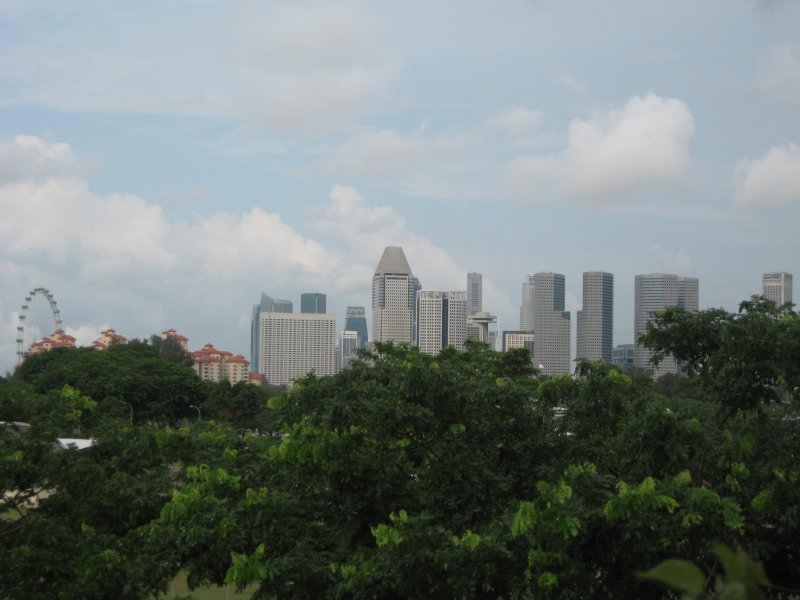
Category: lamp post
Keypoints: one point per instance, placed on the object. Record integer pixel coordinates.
(199, 414)
(131, 407)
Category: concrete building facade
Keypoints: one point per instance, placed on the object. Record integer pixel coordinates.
(394, 292)
(292, 345)
(654, 292)
(595, 340)
(551, 324)
(777, 286)
(441, 320)
(526, 308)
(212, 364)
(474, 292)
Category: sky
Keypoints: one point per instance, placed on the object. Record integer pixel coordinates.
(164, 162)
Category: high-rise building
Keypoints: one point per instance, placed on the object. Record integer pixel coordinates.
(441, 320)
(347, 347)
(356, 320)
(474, 292)
(654, 292)
(478, 326)
(526, 308)
(777, 286)
(623, 356)
(394, 293)
(551, 324)
(518, 339)
(596, 320)
(312, 303)
(266, 304)
(292, 345)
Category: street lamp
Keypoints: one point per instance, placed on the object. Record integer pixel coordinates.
(131, 407)
(199, 414)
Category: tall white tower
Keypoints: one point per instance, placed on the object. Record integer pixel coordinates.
(596, 320)
(777, 286)
(394, 291)
(654, 292)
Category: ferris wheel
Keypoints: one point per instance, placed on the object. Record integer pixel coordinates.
(40, 291)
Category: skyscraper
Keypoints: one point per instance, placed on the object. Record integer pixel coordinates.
(356, 320)
(526, 308)
(596, 320)
(654, 292)
(294, 344)
(551, 324)
(347, 347)
(266, 304)
(441, 319)
(474, 293)
(312, 303)
(394, 291)
(777, 286)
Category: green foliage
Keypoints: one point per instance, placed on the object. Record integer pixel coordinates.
(743, 577)
(458, 475)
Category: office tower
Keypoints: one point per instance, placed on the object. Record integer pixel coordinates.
(478, 326)
(347, 348)
(623, 356)
(441, 320)
(266, 304)
(526, 309)
(312, 303)
(294, 344)
(551, 324)
(654, 292)
(474, 293)
(356, 320)
(518, 339)
(596, 320)
(394, 290)
(777, 286)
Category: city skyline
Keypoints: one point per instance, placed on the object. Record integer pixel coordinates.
(162, 164)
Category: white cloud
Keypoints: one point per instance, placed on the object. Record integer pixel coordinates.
(28, 158)
(367, 230)
(671, 261)
(770, 181)
(456, 163)
(119, 260)
(611, 157)
(86, 334)
(310, 68)
(779, 77)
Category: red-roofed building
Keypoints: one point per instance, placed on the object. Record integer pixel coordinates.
(212, 364)
(182, 340)
(57, 339)
(108, 338)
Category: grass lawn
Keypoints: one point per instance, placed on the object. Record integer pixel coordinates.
(179, 588)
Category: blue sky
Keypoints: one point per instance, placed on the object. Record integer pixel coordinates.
(162, 163)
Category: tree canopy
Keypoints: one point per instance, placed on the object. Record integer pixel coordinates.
(465, 474)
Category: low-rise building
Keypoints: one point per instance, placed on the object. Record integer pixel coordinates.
(212, 364)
